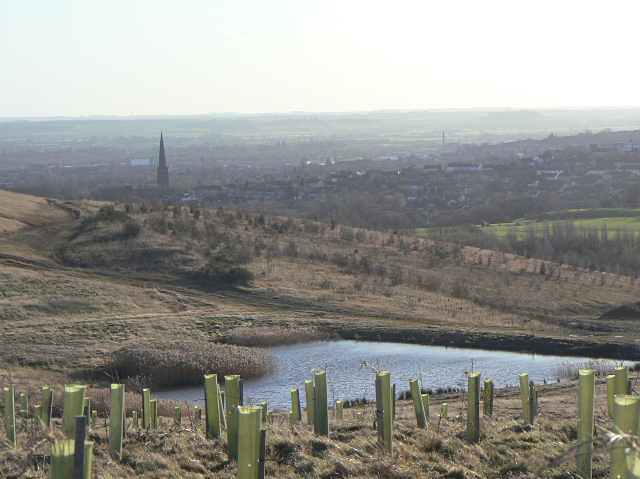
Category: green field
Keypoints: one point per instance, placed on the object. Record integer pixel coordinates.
(616, 220)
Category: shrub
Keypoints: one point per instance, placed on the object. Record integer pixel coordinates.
(460, 290)
(175, 363)
(131, 229)
(221, 273)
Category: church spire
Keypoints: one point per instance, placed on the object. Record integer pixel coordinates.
(163, 171)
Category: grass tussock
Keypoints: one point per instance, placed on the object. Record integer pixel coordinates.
(273, 335)
(176, 363)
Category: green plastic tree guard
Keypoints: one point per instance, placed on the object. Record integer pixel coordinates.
(264, 405)
(626, 417)
(444, 411)
(524, 395)
(473, 408)
(416, 396)
(116, 421)
(321, 406)
(62, 453)
(632, 463)
(135, 418)
(72, 406)
(339, 410)
(146, 408)
(384, 379)
(295, 405)
(10, 415)
(611, 392)
(249, 425)
(47, 405)
(621, 380)
(177, 416)
(37, 414)
(223, 418)
(309, 394)
(586, 394)
(94, 417)
(487, 409)
(232, 396)
(426, 406)
(211, 405)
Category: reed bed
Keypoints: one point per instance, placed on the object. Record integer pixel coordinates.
(272, 335)
(178, 363)
(567, 370)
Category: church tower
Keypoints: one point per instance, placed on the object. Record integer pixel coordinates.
(163, 171)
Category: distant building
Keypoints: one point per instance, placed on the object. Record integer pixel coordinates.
(163, 171)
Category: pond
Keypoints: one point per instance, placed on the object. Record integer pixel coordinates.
(435, 366)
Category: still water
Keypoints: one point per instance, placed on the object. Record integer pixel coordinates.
(435, 366)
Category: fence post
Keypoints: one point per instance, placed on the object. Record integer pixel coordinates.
(473, 408)
(533, 401)
(584, 450)
(78, 454)
(488, 398)
(393, 397)
(47, 405)
(23, 409)
(263, 452)
(264, 407)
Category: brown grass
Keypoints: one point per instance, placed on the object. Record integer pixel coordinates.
(273, 335)
(175, 363)
(507, 448)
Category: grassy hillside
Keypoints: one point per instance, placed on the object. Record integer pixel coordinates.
(100, 278)
(93, 284)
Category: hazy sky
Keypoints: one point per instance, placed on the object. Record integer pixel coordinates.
(123, 57)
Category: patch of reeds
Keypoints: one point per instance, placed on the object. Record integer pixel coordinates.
(567, 370)
(272, 335)
(178, 363)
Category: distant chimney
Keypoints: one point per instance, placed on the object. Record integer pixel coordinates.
(163, 171)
